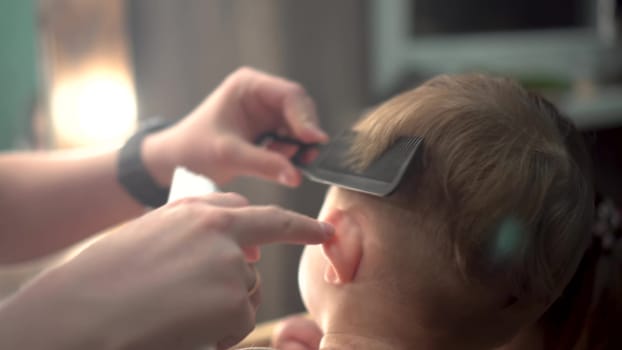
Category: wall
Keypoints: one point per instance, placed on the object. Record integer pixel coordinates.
(18, 76)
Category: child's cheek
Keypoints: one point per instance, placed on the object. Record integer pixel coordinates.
(310, 277)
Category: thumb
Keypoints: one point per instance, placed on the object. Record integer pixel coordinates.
(266, 164)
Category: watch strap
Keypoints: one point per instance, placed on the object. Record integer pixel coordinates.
(132, 173)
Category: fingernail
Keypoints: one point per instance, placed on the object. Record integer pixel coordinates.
(305, 108)
(286, 178)
(328, 229)
(317, 133)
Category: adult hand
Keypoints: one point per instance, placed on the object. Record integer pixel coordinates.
(217, 138)
(176, 278)
(297, 333)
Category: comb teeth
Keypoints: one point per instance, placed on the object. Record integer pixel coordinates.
(380, 178)
(331, 166)
(393, 159)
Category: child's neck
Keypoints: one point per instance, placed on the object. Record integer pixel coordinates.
(367, 341)
(366, 336)
(348, 324)
(358, 342)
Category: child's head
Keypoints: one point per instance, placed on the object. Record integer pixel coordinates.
(483, 233)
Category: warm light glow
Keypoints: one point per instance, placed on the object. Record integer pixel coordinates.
(96, 108)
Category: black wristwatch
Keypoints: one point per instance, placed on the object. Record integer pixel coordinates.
(132, 173)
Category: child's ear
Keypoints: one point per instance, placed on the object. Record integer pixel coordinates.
(345, 250)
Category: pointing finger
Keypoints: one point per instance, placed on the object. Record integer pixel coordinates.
(260, 225)
(229, 200)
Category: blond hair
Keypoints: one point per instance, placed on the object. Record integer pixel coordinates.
(504, 180)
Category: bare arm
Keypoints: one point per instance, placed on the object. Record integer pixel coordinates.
(175, 278)
(51, 200)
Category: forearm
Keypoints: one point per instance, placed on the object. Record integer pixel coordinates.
(51, 200)
(43, 316)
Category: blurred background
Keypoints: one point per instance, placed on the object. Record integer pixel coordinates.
(85, 72)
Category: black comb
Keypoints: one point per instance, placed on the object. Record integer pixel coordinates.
(332, 164)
